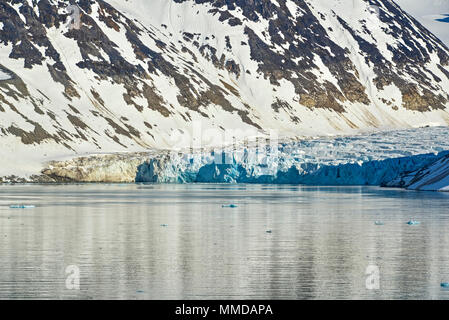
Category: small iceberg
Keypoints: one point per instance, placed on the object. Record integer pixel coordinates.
(269, 231)
(20, 206)
(164, 225)
(413, 223)
(445, 285)
(379, 223)
(229, 206)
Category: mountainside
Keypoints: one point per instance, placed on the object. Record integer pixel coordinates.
(433, 14)
(141, 74)
(431, 177)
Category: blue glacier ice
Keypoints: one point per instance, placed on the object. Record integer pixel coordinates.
(375, 172)
(371, 159)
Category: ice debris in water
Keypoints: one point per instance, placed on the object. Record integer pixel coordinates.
(20, 206)
(164, 225)
(229, 206)
(379, 223)
(413, 222)
(445, 284)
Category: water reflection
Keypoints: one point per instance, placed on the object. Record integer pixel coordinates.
(170, 242)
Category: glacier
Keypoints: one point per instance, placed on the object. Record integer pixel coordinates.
(187, 169)
(369, 159)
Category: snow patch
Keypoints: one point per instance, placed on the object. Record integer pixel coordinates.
(4, 76)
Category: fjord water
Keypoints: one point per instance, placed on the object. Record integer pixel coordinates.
(178, 242)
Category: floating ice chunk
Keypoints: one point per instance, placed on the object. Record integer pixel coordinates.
(445, 284)
(413, 223)
(164, 225)
(269, 231)
(229, 206)
(22, 206)
(379, 223)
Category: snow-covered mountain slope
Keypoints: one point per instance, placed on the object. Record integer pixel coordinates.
(432, 177)
(433, 14)
(139, 74)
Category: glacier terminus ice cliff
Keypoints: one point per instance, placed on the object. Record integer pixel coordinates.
(373, 159)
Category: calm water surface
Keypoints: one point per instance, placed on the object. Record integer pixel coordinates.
(177, 242)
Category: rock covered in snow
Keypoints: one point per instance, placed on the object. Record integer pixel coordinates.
(137, 72)
(431, 177)
(433, 14)
(95, 168)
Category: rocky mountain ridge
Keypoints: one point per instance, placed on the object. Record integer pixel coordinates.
(141, 75)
